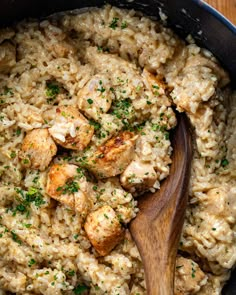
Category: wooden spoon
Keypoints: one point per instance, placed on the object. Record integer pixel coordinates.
(157, 227)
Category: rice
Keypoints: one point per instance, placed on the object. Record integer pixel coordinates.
(124, 73)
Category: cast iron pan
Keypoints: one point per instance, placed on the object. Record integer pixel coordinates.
(209, 28)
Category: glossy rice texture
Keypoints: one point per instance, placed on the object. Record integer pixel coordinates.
(86, 105)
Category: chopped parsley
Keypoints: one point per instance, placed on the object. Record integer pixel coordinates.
(13, 155)
(31, 262)
(101, 89)
(95, 188)
(27, 225)
(80, 172)
(80, 289)
(193, 270)
(36, 179)
(8, 90)
(122, 108)
(18, 132)
(25, 161)
(33, 195)
(103, 49)
(69, 188)
(138, 88)
(19, 208)
(157, 127)
(114, 24)
(167, 136)
(90, 101)
(52, 91)
(15, 237)
(95, 124)
(155, 87)
(71, 273)
(224, 162)
(124, 25)
(99, 48)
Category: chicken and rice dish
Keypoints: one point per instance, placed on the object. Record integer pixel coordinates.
(86, 107)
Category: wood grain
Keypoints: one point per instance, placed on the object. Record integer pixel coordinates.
(226, 7)
(158, 225)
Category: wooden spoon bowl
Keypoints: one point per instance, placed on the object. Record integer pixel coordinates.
(157, 227)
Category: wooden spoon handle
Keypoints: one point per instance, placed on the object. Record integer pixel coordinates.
(158, 226)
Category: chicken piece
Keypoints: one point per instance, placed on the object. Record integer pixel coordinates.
(37, 149)
(156, 85)
(104, 229)
(7, 56)
(114, 156)
(64, 185)
(138, 176)
(95, 97)
(71, 129)
(189, 278)
(218, 202)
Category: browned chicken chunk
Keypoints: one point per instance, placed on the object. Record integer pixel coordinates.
(37, 149)
(71, 129)
(114, 156)
(95, 97)
(104, 229)
(138, 176)
(63, 185)
(189, 278)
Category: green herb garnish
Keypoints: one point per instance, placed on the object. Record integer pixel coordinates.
(52, 89)
(122, 108)
(114, 24)
(95, 124)
(69, 188)
(13, 155)
(18, 132)
(33, 195)
(31, 262)
(8, 90)
(224, 162)
(101, 89)
(80, 289)
(15, 237)
(90, 101)
(71, 273)
(124, 25)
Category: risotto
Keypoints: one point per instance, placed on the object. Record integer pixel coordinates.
(86, 106)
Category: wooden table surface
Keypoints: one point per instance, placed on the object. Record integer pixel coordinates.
(226, 7)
